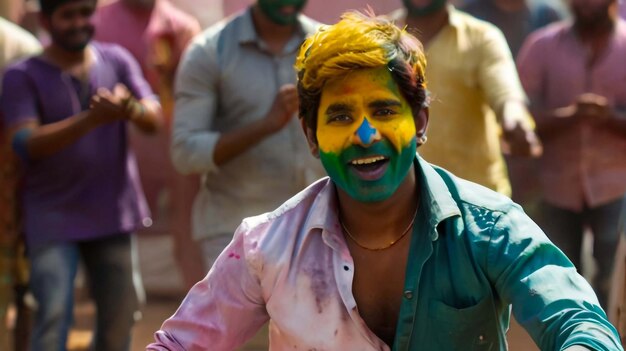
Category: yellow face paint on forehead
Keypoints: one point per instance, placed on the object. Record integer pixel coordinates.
(370, 94)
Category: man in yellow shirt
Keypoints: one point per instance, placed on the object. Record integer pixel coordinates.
(476, 96)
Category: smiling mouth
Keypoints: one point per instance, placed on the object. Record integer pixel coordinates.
(370, 168)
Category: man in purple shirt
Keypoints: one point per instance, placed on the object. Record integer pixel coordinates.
(575, 76)
(67, 114)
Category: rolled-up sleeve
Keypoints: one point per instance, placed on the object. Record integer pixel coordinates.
(193, 141)
(550, 299)
(222, 311)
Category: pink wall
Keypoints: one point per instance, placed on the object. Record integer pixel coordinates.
(326, 11)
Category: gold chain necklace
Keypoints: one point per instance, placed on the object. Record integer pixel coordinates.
(393, 242)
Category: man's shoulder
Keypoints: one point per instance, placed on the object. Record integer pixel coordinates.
(302, 202)
(309, 25)
(177, 17)
(28, 66)
(223, 32)
(549, 34)
(473, 198)
(112, 53)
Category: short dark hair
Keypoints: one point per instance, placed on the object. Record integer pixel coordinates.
(357, 42)
(47, 7)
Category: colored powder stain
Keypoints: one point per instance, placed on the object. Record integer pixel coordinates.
(366, 132)
(232, 254)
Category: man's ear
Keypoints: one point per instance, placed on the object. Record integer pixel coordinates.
(310, 138)
(421, 122)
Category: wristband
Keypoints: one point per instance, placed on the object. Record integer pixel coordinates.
(20, 143)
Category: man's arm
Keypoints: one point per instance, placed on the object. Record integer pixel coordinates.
(555, 304)
(32, 140)
(499, 80)
(144, 109)
(530, 64)
(196, 148)
(222, 311)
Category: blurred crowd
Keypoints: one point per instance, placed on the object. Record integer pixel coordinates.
(179, 118)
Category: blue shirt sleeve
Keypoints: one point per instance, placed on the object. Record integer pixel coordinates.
(555, 304)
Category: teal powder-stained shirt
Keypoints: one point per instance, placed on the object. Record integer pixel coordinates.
(474, 253)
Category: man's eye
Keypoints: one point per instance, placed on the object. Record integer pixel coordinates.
(339, 119)
(384, 112)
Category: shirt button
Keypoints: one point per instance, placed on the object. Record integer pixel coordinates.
(408, 294)
(346, 268)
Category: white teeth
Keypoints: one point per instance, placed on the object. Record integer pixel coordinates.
(365, 161)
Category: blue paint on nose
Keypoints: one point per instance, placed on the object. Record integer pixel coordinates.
(366, 132)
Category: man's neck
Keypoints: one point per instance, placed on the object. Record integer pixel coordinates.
(510, 5)
(596, 32)
(428, 26)
(140, 6)
(66, 58)
(272, 34)
(380, 222)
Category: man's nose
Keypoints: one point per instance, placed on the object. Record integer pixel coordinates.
(366, 135)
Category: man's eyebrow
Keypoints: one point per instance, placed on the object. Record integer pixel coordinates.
(384, 103)
(338, 107)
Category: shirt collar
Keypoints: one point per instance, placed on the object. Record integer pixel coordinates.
(435, 196)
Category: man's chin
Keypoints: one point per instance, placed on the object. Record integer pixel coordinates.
(74, 47)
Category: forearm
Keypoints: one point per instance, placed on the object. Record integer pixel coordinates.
(551, 122)
(195, 147)
(146, 115)
(234, 143)
(48, 139)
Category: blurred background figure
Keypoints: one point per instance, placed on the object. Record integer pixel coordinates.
(517, 19)
(325, 11)
(475, 91)
(574, 74)
(15, 43)
(156, 33)
(66, 113)
(234, 119)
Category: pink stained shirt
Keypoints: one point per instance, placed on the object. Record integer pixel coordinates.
(309, 298)
(585, 164)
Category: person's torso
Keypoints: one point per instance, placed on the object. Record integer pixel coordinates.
(90, 187)
(262, 177)
(463, 133)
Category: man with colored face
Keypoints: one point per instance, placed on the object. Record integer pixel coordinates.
(476, 94)
(282, 12)
(389, 252)
(67, 114)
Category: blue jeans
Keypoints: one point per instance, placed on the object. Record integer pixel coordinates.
(110, 270)
(566, 228)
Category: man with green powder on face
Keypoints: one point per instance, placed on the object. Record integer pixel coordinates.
(389, 252)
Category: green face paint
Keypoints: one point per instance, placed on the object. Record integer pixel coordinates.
(366, 134)
(277, 10)
(418, 11)
(355, 183)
